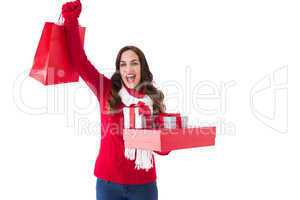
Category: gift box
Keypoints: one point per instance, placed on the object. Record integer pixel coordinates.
(137, 116)
(169, 120)
(169, 139)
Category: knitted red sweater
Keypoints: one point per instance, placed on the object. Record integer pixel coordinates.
(111, 164)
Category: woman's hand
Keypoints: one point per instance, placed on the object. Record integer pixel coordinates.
(71, 10)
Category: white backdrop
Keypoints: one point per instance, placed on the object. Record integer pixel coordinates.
(232, 64)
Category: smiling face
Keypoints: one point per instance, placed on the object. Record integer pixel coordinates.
(130, 69)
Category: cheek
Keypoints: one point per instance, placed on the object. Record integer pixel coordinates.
(122, 72)
(139, 73)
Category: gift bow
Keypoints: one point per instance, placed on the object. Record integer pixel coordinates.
(144, 110)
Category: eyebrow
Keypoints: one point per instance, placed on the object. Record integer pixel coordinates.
(130, 61)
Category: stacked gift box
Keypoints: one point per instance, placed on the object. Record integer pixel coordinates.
(163, 132)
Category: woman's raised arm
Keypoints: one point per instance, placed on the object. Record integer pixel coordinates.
(96, 81)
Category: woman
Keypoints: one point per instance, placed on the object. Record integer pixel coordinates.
(117, 177)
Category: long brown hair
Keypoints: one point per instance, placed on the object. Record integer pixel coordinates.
(145, 85)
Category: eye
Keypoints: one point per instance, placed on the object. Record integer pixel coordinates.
(135, 63)
(122, 65)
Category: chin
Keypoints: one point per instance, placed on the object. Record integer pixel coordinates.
(133, 86)
(130, 85)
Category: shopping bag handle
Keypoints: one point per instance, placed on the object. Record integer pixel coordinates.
(60, 20)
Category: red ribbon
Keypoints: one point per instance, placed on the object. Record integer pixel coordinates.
(143, 110)
(146, 112)
(131, 116)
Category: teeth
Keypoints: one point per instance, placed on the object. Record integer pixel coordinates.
(130, 76)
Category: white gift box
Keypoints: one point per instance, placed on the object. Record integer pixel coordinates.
(133, 119)
(170, 122)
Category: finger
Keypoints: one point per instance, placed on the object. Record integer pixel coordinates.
(67, 6)
(72, 5)
(78, 3)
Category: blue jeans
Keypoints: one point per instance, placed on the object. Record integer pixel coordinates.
(106, 190)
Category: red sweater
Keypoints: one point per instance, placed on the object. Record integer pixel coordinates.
(111, 164)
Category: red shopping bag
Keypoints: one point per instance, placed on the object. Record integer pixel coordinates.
(52, 64)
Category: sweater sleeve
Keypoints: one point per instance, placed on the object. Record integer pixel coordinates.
(96, 81)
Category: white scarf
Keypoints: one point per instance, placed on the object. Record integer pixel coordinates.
(143, 158)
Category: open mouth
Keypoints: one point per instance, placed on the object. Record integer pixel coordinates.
(130, 78)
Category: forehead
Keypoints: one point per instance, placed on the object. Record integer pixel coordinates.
(129, 55)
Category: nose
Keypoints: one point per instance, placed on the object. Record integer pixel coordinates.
(130, 70)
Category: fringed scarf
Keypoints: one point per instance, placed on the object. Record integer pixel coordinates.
(143, 158)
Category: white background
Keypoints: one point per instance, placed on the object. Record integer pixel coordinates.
(201, 48)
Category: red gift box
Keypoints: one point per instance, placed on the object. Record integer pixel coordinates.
(163, 140)
(137, 116)
(51, 63)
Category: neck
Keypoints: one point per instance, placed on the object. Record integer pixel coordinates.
(134, 92)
